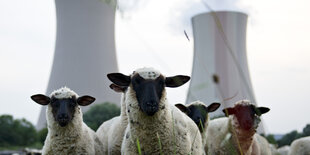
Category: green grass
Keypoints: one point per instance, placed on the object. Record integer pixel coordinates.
(138, 147)
(202, 135)
(36, 145)
(201, 125)
(159, 143)
(13, 148)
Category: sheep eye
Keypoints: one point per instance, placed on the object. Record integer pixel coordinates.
(72, 103)
(53, 100)
(137, 81)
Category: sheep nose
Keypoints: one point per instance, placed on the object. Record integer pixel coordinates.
(63, 116)
(152, 103)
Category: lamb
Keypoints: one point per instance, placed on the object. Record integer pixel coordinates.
(67, 133)
(300, 146)
(198, 112)
(111, 132)
(155, 126)
(235, 134)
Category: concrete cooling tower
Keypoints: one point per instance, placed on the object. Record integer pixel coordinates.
(84, 51)
(220, 69)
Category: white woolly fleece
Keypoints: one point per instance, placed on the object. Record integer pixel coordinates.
(284, 150)
(111, 132)
(197, 103)
(264, 146)
(63, 92)
(300, 146)
(244, 102)
(147, 73)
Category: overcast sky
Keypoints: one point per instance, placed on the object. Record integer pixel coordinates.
(278, 47)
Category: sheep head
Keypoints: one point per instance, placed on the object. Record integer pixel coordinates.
(246, 113)
(63, 103)
(148, 85)
(198, 112)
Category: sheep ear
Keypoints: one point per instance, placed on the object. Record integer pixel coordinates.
(229, 111)
(117, 88)
(176, 81)
(183, 108)
(119, 79)
(214, 106)
(41, 99)
(261, 110)
(85, 100)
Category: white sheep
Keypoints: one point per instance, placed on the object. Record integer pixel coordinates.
(155, 126)
(67, 133)
(111, 132)
(284, 150)
(300, 146)
(264, 147)
(198, 112)
(273, 149)
(235, 134)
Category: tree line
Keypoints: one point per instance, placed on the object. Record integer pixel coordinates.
(288, 138)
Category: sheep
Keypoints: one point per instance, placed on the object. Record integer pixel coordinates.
(111, 132)
(284, 150)
(300, 146)
(273, 149)
(264, 147)
(67, 133)
(154, 125)
(198, 112)
(234, 134)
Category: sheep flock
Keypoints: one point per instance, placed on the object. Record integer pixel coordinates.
(148, 124)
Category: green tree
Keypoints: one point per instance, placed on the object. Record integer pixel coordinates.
(287, 139)
(6, 136)
(19, 132)
(99, 113)
(42, 135)
(306, 130)
(25, 131)
(270, 138)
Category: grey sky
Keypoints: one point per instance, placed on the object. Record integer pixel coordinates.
(278, 53)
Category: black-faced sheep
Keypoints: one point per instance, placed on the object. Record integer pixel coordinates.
(111, 132)
(67, 133)
(155, 125)
(235, 134)
(198, 112)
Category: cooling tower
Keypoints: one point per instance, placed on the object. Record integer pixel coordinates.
(84, 51)
(220, 69)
